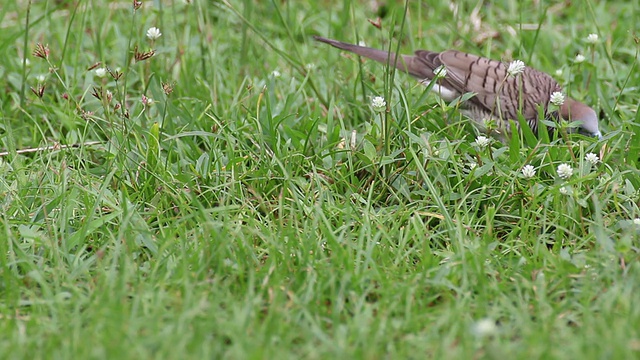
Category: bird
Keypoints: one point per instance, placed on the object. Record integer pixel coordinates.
(502, 91)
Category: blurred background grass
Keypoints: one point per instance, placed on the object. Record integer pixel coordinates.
(256, 209)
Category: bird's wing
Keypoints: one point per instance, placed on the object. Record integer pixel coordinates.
(503, 96)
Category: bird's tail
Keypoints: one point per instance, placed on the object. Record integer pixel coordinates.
(402, 63)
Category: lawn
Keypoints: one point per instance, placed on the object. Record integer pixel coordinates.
(221, 186)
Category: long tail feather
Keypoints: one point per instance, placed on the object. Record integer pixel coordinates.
(405, 63)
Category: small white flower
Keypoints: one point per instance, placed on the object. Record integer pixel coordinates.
(485, 328)
(41, 78)
(579, 58)
(275, 73)
(559, 72)
(472, 165)
(153, 33)
(482, 141)
(565, 171)
(564, 190)
(636, 221)
(101, 72)
(515, 67)
(362, 43)
(557, 98)
(528, 171)
(310, 66)
(440, 72)
(378, 104)
(592, 158)
(26, 61)
(592, 39)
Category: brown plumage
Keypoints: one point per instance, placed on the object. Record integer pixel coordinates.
(498, 95)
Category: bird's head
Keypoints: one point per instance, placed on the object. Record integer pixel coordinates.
(575, 111)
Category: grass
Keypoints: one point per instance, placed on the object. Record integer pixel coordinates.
(260, 209)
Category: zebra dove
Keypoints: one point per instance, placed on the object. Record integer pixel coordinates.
(498, 94)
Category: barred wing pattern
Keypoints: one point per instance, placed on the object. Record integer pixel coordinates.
(497, 96)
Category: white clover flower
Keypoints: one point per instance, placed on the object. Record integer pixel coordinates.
(378, 104)
(565, 171)
(484, 328)
(153, 33)
(559, 72)
(101, 72)
(440, 72)
(579, 58)
(564, 190)
(482, 141)
(593, 39)
(557, 98)
(275, 73)
(515, 67)
(592, 158)
(636, 221)
(528, 171)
